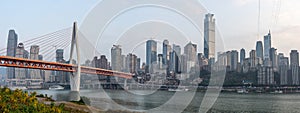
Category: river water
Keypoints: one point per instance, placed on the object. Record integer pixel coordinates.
(165, 101)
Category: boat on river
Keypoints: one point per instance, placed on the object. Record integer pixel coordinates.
(56, 87)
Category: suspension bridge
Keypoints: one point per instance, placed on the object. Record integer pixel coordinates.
(48, 44)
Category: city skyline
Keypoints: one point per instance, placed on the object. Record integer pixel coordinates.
(286, 27)
(150, 56)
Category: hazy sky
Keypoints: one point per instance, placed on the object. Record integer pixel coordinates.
(236, 20)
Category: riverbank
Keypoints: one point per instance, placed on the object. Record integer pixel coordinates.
(28, 102)
(76, 107)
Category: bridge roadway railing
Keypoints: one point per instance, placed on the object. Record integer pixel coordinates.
(7, 61)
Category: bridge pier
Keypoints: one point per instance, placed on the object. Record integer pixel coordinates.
(75, 77)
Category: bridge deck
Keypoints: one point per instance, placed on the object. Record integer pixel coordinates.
(7, 61)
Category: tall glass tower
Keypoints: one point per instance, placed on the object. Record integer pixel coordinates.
(116, 57)
(209, 36)
(242, 56)
(11, 51)
(294, 65)
(259, 51)
(267, 47)
(151, 52)
(166, 52)
(34, 55)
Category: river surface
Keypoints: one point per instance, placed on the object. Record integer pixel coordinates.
(165, 101)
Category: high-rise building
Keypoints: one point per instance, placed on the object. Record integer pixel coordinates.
(61, 77)
(34, 55)
(60, 56)
(35, 77)
(265, 75)
(190, 50)
(131, 63)
(267, 47)
(294, 65)
(234, 59)
(116, 58)
(253, 59)
(202, 61)
(274, 58)
(151, 52)
(123, 63)
(11, 51)
(138, 64)
(103, 63)
(259, 51)
(228, 59)
(166, 52)
(209, 36)
(183, 65)
(283, 68)
(175, 59)
(21, 73)
(242, 56)
(222, 59)
(160, 61)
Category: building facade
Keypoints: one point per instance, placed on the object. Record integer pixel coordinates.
(166, 52)
(116, 58)
(209, 36)
(267, 47)
(294, 66)
(259, 51)
(190, 50)
(283, 68)
(151, 52)
(11, 51)
(175, 59)
(234, 60)
(242, 55)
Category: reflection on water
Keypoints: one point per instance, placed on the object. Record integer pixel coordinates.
(227, 102)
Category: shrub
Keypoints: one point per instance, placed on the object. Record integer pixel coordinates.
(21, 102)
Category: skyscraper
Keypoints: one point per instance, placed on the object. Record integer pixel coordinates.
(234, 60)
(175, 58)
(60, 56)
(34, 55)
(166, 52)
(294, 65)
(131, 63)
(265, 75)
(62, 77)
(11, 51)
(242, 56)
(103, 63)
(138, 64)
(151, 52)
(116, 58)
(160, 61)
(283, 68)
(190, 50)
(259, 51)
(253, 59)
(274, 58)
(123, 63)
(228, 59)
(209, 36)
(267, 47)
(21, 73)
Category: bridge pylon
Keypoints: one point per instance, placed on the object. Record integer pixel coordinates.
(75, 77)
